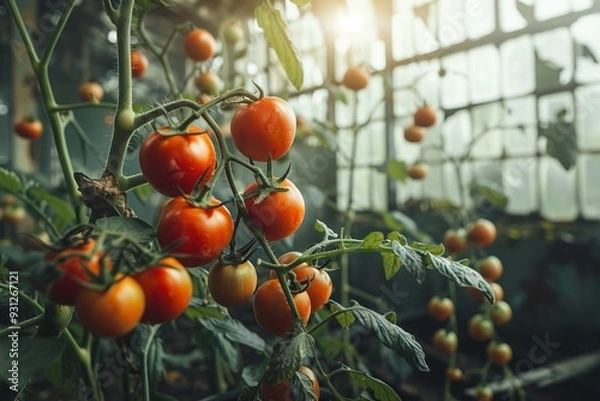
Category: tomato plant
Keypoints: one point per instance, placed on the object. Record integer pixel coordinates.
(272, 311)
(113, 312)
(264, 129)
(167, 290)
(201, 233)
(231, 285)
(29, 128)
(279, 214)
(174, 163)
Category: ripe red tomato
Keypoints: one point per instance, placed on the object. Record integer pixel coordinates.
(424, 117)
(114, 312)
(414, 134)
(65, 289)
(481, 233)
(320, 287)
(272, 312)
(209, 82)
(445, 342)
(478, 295)
(418, 171)
(480, 328)
(279, 214)
(203, 233)
(263, 129)
(355, 78)
(174, 163)
(500, 354)
(491, 268)
(29, 128)
(91, 92)
(139, 63)
(283, 390)
(440, 308)
(455, 374)
(501, 313)
(232, 285)
(199, 44)
(455, 241)
(167, 288)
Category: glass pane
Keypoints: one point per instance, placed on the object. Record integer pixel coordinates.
(452, 27)
(486, 127)
(370, 100)
(520, 185)
(585, 33)
(457, 133)
(544, 9)
(425, 29)
(580, 5)
(454, 89)
(428, 83)
(451, 187)
(520, 133)
(554, 64)
(589, 190)
(404, 102)
(433, 184)
(484, 77)
(518, 61)
(511, 18)
(588, 117)
(558, 201)
(403, 35)
(481, 18)
(369, 192)
(552, 107)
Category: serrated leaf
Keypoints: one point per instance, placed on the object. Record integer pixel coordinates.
(379, 390)
(493, 196)
(396, 236)
(9, 181)
(287, 357)
(345, 319)
(372, 241)
(135, 229)
(135, 142)
(397, 169)
(561, 142)
(62, 213)
(302, 388)
(251, 374)
(391, 264)
(462, 275)
(203, 312)
(435, 249)
(234, 331)
(392, 336)
(412, 261)
(391, 317)
(276, 33)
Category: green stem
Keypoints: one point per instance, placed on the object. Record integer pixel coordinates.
(29, 47)
(23, 325)
(133, 181)
(330, 317)
(62, 22)
(219, 376)
(327, 378)
(145, 367)
(77, 106)
(39, 214)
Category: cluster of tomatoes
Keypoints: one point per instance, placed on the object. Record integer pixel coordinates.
(481, 327)
(423, 118)
(108, 304)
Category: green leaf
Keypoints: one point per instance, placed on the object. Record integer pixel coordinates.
(156, 365)
(9, 181)
(301, 3)
(228, 351)
(143, 192)
(391, 264)
(462, 275)
(392, 336)
(436, 249)
(302, 388)
(134, 228)
(345, 319)
(30, 355)
(372, 241)
(396, 236)
(203, 312)
(65, 373)
(397, 169)
(235, 331)
(561, 142)
(251, 374)
(391, 317)
(379, 390)
(412, 261)
(287, 357)
(62, 213)
(496, 198)
(276, 33)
